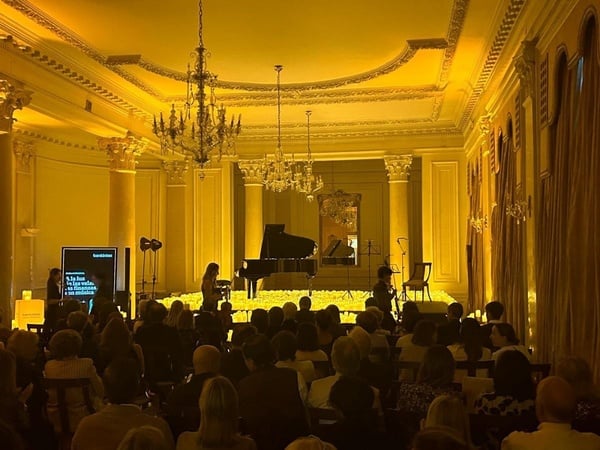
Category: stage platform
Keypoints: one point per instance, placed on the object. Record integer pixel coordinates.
(349, 304)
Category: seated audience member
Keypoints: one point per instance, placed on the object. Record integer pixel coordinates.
(470, 348)
(423, 338)
(219, 416)
(116, 342)
(438, 438)
(210, 330)
(352, 399)
(188, 335)
(13, 401)
(97, 304)
(368, 322)
(144, 438)
(65, 346)
(377, 375)
(449, 411)
(10, 438)
(448, 333)
(5, 330)
(513, 388)
(163, 353)
(285, 347)
(260, 320)
(105, 429)
(337, 328)
(555, 409)
(270, 402)
(225, 317)
(578, 374)
(233, 365)
(275, 321)
(493, 312)
(310, 443)
(106, 313)
(504, 339)
(305, 314)
(141, 313)
(379, 316)
(67, 308)
(433, 379)
(79, 321)
(324, 323)
(370, 302)
(174, 312)
(182, 403)
(410, 318)
(308, 344)
(289, 317)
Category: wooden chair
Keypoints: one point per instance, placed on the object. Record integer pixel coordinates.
(395, 353)
(419, 280)
(321, 416)
(472, 366)
(398, 366)
(60, 385)
(392, 338)
(487, 428)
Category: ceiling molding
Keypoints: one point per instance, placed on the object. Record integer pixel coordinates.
(36, 135)
(504, 30)
(457, 21)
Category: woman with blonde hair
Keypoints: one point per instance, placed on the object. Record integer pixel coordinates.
(210, 294)
(219, 414)
(449, 411)
(174, 313)
(116, 342)
(144, 438)
(577, 372)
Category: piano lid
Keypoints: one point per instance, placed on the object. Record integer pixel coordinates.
(277, 244)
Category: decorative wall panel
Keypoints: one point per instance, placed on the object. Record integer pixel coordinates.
(208, 217)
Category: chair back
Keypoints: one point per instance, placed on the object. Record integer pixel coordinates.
(472, 366)
(473, 387)
(60, 385)
(406, 367)
(421, 272)
(539, 371)
(321, 416)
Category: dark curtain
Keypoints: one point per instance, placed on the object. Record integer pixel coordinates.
(475, 267)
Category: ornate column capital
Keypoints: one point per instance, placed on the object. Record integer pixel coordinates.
(524, 63)
(24, 152)
(252, 171)
(12, 97)
(398, 167)
(176, 171)
(122, 151)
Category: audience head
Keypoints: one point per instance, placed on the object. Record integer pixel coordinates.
(323, 320)
(309, 443)
(424, 333)
(370, 302)
(308, 340)
(55, 274)
(455, 311)
(260, 319)
(449, 411)
(212, 270)
(226, 307)
(437, 368)
(377, 313)
(23, 344)
(471, 338)
(555, 401)
(367, 321)
(105, 314)
(69, 306)
(185, 320)
(155, 313)
(334, 312)
(409, 320)
(352, 397)
(494, 310)
(512, 376)
(438, 438)
(241, 333)
(121, 380)
(258, 352)
(503, 334)
(578, 374)
(275, 317)
(289, 310)
(141, 308)
(384, 273)
(206, 359)
(362, 340)
(8, 375)
(410, 306)
(285, 345)
(77, 320)
(115, 338)
(174, 312)
(345, 356)
(219, 414)
(305, 303)
(143, 438)
(65, 344)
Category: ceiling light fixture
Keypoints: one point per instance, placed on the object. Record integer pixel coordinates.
(305, 181)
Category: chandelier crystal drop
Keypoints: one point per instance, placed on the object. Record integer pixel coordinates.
(305, 181)
(278, 170)
(200, 131)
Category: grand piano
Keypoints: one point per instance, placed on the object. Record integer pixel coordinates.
(280, 252)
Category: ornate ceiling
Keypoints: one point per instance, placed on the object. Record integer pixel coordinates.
(380, 69)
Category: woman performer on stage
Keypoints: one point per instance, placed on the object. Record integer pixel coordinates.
(210, 294)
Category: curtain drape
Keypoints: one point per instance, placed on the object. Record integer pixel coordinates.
(568, 273)
(475, 269)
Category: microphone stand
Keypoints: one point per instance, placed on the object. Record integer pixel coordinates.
(404, 296)
(143, 271)
(154, 276)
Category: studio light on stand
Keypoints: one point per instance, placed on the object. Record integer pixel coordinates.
(145, 245)
(155, 245)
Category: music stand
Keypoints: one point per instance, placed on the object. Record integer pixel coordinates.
(403, 250)
(370, 249)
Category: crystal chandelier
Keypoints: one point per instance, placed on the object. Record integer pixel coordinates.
(200, 131)
(278, 171)
(305, 181)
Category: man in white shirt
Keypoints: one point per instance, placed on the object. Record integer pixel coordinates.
(555, 408)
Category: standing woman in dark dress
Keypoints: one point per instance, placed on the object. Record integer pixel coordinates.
(210, 294)
(53, 297)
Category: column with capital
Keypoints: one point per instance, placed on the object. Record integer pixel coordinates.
(122, 153)
(398, 171)
(253, 223)
(176, 231)
(12, 98)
